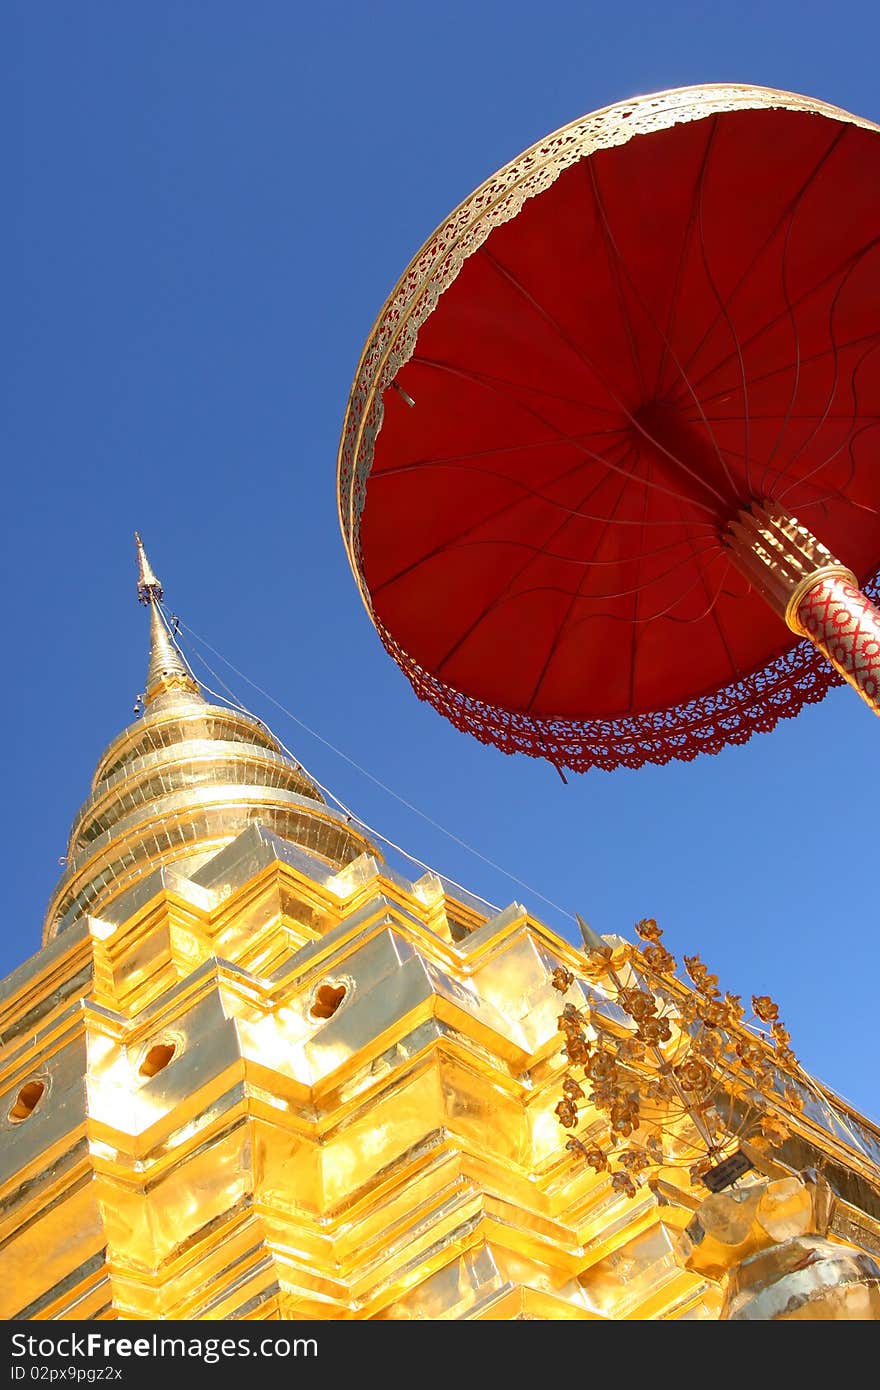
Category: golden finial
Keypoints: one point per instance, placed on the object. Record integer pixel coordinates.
(149, 588)
(168, 676)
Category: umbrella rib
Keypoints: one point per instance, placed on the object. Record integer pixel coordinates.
(770, 238)
(458, 460)
(833, 390)
(835, 493)
(509, 506)
(612, 256)
(729, 321)
(492, 516)
(805, 361)
(847, 444)
(573, 600)
(795, 415)
(631, 418)
(837, 496)
(667, 611)
(797, 349)
(679, 273)
(482, 378)
(777, 318)
(653, 617)
(609, 616)
(613, 594)
(713, 599)
(634, 629)
(573, 440)
(711, 545)
(530, 492)
(505, 597)
(498, 597)
(658, 330)
(700, 617)
(507, 542)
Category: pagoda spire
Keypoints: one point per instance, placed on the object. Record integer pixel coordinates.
(168, 676)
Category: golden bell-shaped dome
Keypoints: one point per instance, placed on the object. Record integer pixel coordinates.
(181, 783)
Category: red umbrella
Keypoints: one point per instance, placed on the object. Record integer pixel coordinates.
(616, 423)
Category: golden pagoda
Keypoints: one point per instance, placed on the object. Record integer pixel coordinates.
(255, 1073)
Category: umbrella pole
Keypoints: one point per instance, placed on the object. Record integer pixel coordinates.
(817, 596)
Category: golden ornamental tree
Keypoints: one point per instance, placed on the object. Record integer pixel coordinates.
(662, 1075)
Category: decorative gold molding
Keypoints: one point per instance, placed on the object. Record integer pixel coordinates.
(809, 582)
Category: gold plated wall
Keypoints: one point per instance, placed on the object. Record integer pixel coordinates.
(290, 1091)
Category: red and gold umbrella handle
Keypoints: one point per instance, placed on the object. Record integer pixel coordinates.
(818, 597)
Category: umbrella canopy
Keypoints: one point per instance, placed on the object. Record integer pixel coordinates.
(653, 319)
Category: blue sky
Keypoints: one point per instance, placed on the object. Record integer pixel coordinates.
(205, 207)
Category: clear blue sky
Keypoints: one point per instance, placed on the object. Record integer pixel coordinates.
(205, 206)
